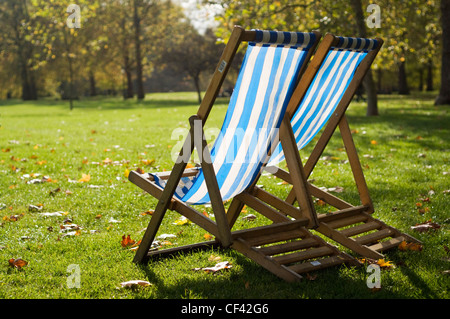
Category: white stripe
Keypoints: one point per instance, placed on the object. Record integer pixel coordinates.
(312, 108)
(254, 117)
(229, 134)
(240, 101)
(262, 151)
(319, 119)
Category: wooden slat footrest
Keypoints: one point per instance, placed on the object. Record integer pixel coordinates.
(388, 244)
(317, 264)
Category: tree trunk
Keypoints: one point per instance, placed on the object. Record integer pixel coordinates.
(25, 52)
(379, 79)
(368, 82)
(92, 86)
(430, 76)
(137, 46)
(403, 88)
(129, 92)
(444, 93)
(197, 87)
(420, 87)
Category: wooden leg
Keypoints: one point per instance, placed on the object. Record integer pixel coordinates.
(297, 173)
(211, 182)
(164, 200)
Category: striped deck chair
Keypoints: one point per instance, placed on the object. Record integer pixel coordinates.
(269, 73)
(323, 96)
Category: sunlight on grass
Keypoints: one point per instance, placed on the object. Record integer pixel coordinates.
(46, 149)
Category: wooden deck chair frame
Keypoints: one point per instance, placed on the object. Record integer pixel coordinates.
(303, 245)
(358, 219)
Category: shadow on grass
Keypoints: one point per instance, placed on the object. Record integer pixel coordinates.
(254, 282)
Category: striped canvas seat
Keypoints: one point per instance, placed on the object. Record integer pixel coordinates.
(326, 90)
(266, 80)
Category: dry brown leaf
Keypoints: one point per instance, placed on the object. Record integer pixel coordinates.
(127, 241)
(404, 246)
(18, 263)
(426, 226)
(135, 283)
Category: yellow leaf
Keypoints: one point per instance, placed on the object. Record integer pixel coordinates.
(383, 263)
(85, 178)
(182, 221)
(126, 173)
(208, 236)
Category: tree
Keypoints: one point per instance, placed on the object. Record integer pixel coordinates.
(444, 93)
(201, 52)
(368, 82)
(17, 24)
(339, 17)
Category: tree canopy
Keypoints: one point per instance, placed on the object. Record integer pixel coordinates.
(48, 47)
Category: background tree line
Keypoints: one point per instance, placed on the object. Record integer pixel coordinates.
(135, 46)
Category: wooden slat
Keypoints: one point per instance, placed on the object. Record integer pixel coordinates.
(359, 229)
(348, 242)
(273, 237)
(341, 214)
(303, 255)
(387, 244)
(279, 204)
(289, 246)
(165, 175)
(273, 228)
(347, 221)
(262, 207)
(370, 238)
(316, 265)
(268, 263)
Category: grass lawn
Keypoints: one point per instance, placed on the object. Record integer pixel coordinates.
(74, 163)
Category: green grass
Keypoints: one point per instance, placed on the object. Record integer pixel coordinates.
(408, 163)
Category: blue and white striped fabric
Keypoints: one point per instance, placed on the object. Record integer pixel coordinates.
(326, 91)
(265, 83)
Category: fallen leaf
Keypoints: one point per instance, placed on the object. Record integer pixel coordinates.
(404, 246)
(135, 283)
(84, 178)
(249, 217)
(182, 221)
(218, 267)
(127, 241)
(311, 277)
(18, 263)
(35, 208)
(52, 214)
(166, 236)
(208, 236)
(428, 225)
(384, 264)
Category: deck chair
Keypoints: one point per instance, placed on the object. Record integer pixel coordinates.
(269, 73)
(323, 96)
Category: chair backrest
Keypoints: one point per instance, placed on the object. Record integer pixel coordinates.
(266, 80)
(327, 89)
